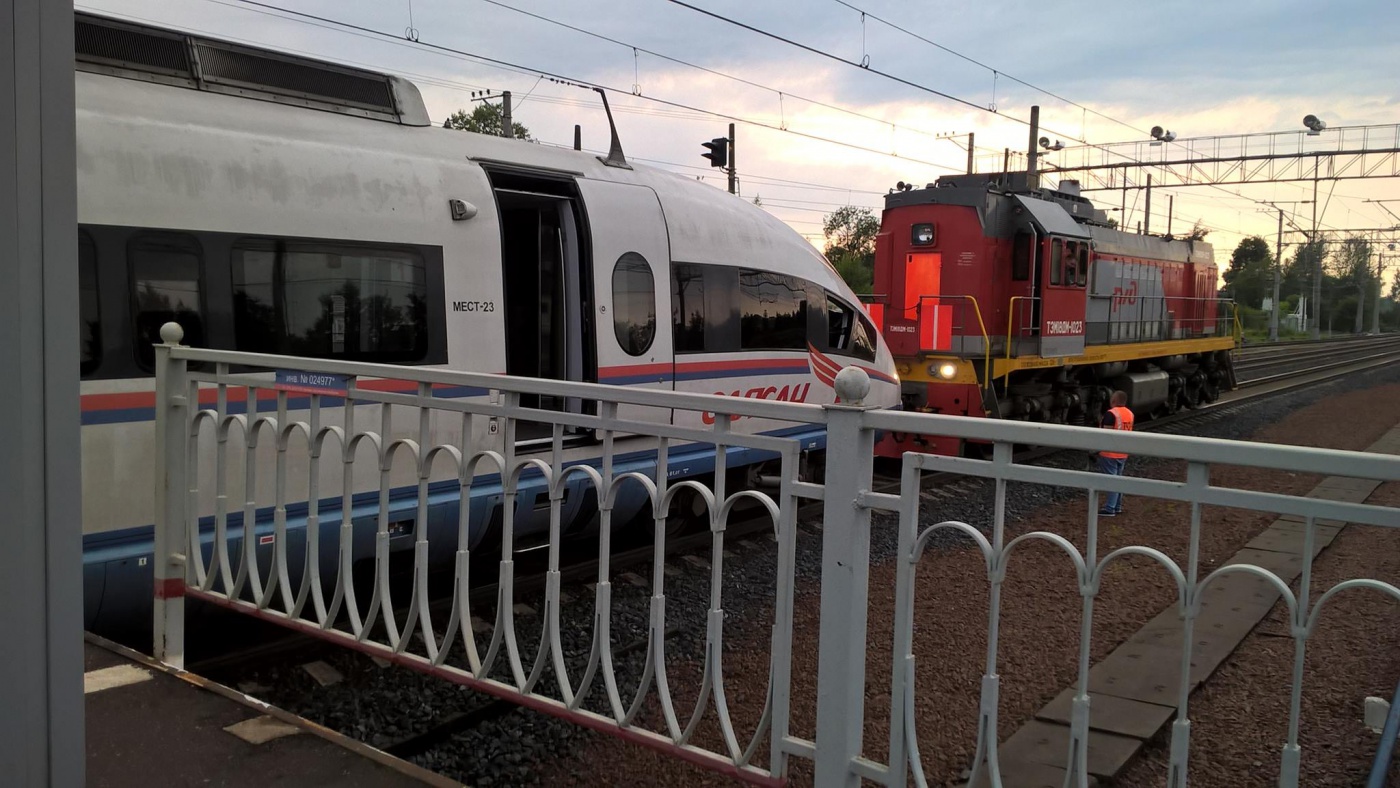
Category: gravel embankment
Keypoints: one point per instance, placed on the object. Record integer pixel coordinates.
(1039, 625)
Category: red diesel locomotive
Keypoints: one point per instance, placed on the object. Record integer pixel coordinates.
(998, 298)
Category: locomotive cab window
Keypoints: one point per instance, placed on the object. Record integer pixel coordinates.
(89, 317)
(634, 304)
(330, 301)
(1083, 265)
(1071, 271)
(165, 287)
(1057, 262)
(849, 332)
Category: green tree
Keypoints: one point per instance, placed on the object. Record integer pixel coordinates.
(485, 119)
(1250, 277)
(1353, 270)
(850, 245)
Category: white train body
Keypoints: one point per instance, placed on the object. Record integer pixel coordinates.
(261, 226)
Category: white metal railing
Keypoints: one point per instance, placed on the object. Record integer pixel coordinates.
(201, 551)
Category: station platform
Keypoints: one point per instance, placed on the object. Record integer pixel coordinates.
(150, 725)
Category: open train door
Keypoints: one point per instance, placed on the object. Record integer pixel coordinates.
(632, 285)
(1062, 278)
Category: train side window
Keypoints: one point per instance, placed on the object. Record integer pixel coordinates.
(1057, 262)
(688, 307)
(1021, 258)
(772, 311)
(863, 339)
(1083, 265)
(89, 316)
(331, 301)
(839, 318)
(165, 287)
(634, 303)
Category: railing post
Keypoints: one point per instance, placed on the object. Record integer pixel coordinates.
(850, 451)
(173, 414)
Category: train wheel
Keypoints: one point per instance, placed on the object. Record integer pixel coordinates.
(1190, 396)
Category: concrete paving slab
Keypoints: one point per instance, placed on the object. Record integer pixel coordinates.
(1324, 531)
(1111, 714)
(1024, 774)
(1339, 494)
(1048, 743)
(1298, 518)
(1284, 537)
(1286, 566)
(1139, 671)
(1353, 484)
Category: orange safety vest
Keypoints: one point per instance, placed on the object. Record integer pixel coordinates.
(1125, 422)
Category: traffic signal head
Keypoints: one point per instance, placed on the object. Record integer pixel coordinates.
(718, 151)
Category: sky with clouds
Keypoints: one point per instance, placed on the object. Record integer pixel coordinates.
(816, 133)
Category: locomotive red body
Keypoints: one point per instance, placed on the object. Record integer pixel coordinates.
(1004, 300)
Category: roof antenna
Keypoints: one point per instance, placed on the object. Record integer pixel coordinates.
(615, 157)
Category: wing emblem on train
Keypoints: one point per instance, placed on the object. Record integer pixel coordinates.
(822, 366)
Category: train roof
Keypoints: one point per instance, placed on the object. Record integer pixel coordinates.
(194, 126)
(1062, 212)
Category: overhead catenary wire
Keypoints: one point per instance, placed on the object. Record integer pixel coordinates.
(592, 84)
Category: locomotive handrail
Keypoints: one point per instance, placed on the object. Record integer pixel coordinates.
(1011, 319)
(985, 379)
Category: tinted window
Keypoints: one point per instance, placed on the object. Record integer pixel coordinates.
(341, 301)
(634, 303)
(89, 323)
(165, 287)
(1057, 263)
(772, 312)
(848, 330)
(688, 307)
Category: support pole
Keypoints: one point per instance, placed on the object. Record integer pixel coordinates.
(1316, 321)
(1171, 206)
(578, 137)
(971, 147)
(844, 586)
(1380, 280)
(507, 128)
(1033, 151)
(41, 585)
(733, 175)
(1147, 208)
(1278, 265)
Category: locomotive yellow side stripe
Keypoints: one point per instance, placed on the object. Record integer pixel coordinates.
(926, 368)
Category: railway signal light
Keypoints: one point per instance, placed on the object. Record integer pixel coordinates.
(718, 151)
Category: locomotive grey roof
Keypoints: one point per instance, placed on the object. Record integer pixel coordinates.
(1052, 218)
(155, 54)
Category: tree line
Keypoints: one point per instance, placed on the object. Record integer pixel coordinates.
(1350, 281)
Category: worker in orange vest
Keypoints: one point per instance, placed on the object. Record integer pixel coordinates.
(1118, 417)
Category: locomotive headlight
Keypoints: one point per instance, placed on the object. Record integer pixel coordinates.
(921, 235)
(947, 371)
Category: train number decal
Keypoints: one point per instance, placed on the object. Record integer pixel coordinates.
(1056, 328)
(473, 306)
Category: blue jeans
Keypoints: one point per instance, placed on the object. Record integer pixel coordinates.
(1112, 466)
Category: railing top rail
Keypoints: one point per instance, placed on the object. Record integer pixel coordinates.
(734, 406)
(1212, 451)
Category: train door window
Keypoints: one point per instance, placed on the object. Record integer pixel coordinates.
(1021, 258)
(1057, 262)
(89, 316)
(1083, 265)
(634, 303)
(772, 311)
(330, 301)
(688, 307)
(165, 287)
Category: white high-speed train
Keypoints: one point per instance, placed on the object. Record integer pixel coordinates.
(276, 204)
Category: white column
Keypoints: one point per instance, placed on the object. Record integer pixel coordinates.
(41, 584)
